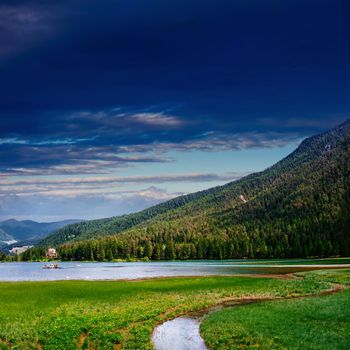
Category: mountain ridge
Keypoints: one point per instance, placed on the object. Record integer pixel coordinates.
(29, 230)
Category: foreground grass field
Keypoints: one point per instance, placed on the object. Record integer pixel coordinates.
(309, 323)
(122, 314)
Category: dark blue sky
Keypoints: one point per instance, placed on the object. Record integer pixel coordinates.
(123, 88)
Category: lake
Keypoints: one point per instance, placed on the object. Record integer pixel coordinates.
(33, 271)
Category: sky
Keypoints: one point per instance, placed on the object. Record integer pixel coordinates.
(110, 106)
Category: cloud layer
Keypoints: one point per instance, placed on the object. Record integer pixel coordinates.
(72, 187)
(57, 206)
(48, 199)
(93, 143)
(87, 90)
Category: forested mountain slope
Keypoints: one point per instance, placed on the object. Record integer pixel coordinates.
(298, 207)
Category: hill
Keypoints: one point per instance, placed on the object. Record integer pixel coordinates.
(299, 207)
(28, 231)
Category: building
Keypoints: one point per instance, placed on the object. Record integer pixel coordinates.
(51, 253)
(19, 250)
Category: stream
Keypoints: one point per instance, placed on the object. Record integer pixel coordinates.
(181, 333)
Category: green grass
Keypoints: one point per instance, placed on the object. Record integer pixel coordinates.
(309, 323)
(122, 314)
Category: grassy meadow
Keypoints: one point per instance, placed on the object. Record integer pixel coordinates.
(122, 314)
(309, 323)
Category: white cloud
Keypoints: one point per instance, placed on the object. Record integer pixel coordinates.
(187, 177)
(103, 186)
(157, 120)
(43, 207)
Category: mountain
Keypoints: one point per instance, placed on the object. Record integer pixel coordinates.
(298, 207)
(5, 237)
(28, 231)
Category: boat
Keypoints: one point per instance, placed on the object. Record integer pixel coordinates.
(51, 266)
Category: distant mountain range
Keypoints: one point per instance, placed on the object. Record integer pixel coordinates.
(12, 231)
(298, 207)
